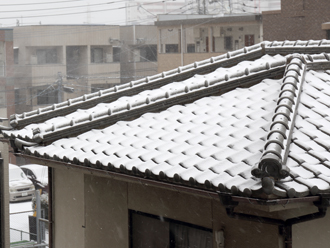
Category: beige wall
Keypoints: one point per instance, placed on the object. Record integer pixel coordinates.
(170, 61)
(62, 37)
(314, 233)
(5, 203)
(170, 35)
(69, 210)
(106, 213)
(102, 206)
(57, 35)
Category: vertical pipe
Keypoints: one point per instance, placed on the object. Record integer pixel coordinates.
(286, 232)
(134, 62)
(181, 48)
(38, 216)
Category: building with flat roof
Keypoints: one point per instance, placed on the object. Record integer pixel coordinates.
(189, 38)
(57, 62)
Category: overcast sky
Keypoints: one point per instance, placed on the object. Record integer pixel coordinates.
(31, 12)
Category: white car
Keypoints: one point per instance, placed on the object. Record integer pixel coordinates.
(20, 187)
(36, 172)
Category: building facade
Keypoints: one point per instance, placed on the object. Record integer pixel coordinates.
(185, 39)
(7, 107)
(57, 62)
(7, 102)
(139, 52)
(302, 19)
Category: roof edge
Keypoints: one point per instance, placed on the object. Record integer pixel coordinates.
(272, 165)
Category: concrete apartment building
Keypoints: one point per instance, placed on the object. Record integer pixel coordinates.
(139, 52)
(51, 57)
(7, 103)
(302, 19)
(183, 39)
(7, 107)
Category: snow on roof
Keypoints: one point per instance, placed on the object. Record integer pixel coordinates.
(259, 126)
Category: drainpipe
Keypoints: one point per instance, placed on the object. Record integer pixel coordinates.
(285, 226)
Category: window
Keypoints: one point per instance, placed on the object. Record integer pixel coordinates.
(228, 43)
(150, 230)
(116, 54)
(328, 34)
(16, 56)
(47, 97)
(3, 98)
(47, 56)
(97, 55)
(171, 48)
(249, 40)
(148, 53)
(190, 48)
(2, 68)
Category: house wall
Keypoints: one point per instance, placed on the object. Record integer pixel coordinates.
(106, 212)
(5, 201)
(69, 209)
(92, 211)
(311, 233)
(302, 20)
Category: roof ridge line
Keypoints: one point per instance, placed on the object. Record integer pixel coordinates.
(182, 94)
(135, 87)
(299, 46)
(272, 165)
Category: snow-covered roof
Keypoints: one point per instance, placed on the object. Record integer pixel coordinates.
(250, 122)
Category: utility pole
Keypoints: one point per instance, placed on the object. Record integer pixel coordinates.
(230, 6)
(59, 87)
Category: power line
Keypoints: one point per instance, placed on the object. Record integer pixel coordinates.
(70, 7)
(84, 12)
(19, 4)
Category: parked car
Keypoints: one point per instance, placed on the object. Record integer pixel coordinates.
(37, 173)
(20, 187)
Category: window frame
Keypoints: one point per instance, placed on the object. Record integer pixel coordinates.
(163, 219)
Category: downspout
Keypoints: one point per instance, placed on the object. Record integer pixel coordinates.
(285, 226)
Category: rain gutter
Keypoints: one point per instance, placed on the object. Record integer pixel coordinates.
(168, 185)
(229, 201)
(322, 202)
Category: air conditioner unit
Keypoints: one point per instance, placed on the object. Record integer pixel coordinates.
(33, 60)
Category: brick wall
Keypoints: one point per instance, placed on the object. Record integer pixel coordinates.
(297, 20)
